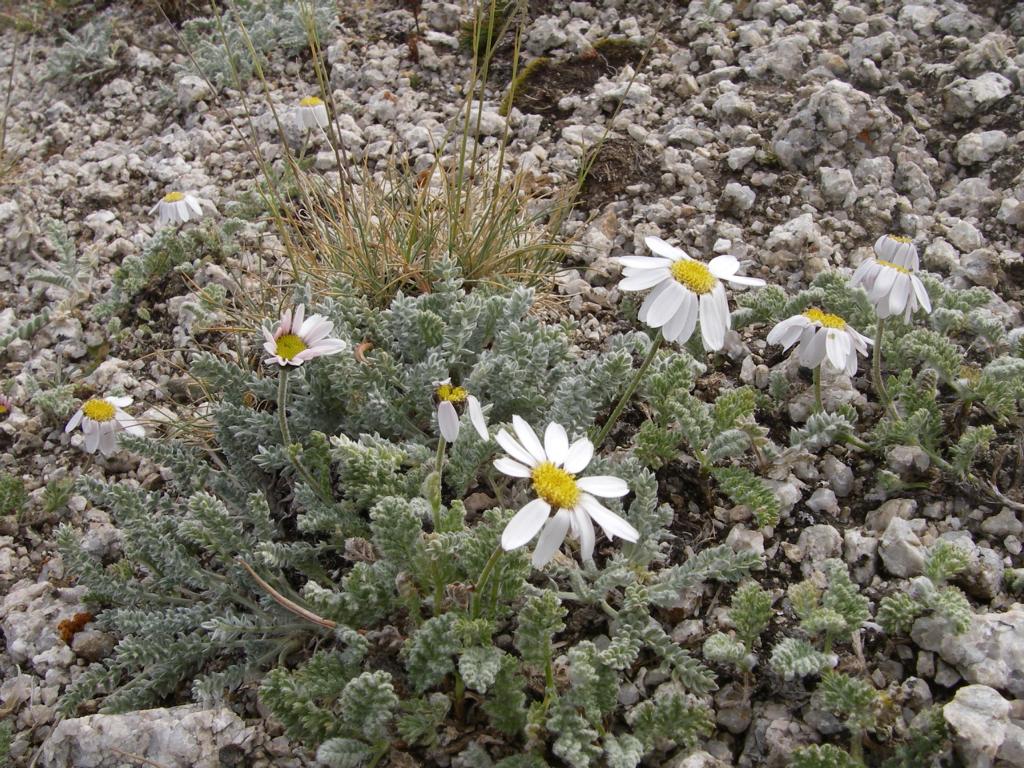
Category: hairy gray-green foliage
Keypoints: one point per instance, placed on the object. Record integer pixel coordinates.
(70, 273)
(833, 613)
(930, 594)
(170, 250)
(219, 47)
(823, 756)
(346, 545)
(13, 496)
(851, 699)
(89, 55)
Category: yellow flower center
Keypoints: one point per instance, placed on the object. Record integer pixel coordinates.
(694, 275)
(901, 238)
(98, 409)
(556, 486)
(451, 394)
(289, 345)
(173, 197)
(824, 318)
(3, 409)
(311, 101)
(897, 267)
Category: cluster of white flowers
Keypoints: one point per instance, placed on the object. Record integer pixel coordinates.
(686, 290)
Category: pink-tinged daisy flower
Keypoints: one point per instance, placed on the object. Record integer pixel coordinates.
(822, 336)
(101, 419)
(552, 468)
(298, 338)
(889, 279)
(175, 207)
(449, 399)
(685, 290)
(311, 113)
(6, 407)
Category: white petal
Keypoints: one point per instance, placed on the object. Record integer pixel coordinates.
(605, 486)
(921, 293)
(684, 321)
(476, 418)
(108, 442)
(837, 348)
(660, 247)
(551, 538)
(556, 443)
(75, 420)
(753, 282)
(724, 266)
(286, 324)
(644, 262)
(585, 527)
(528, 438)
(812, 353)
(326, 347)
(665, 305)
(92, 438)
(611, 524)
(712, 324)
(861, 272)
(788, 331)
(525, 524)
(644, 280)
(448, 421)
(901, 292)
(514, 449)
(579, 455)
(511, 467)
(652, 297)
(883, 284)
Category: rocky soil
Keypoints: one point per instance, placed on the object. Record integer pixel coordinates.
(790, 134)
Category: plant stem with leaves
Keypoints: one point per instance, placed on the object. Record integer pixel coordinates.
(630, 389)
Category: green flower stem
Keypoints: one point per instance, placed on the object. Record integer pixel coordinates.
(460, 698)
(876, 365)
(655, 345)
(818, 405)
(485, 575)
(282, 398)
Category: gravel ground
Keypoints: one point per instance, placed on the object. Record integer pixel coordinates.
(789, 134)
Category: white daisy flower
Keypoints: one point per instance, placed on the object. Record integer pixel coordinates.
(311, 113)
(175, 207)
(553, 468)
(296, 340)
(102, 419)
(822, 337)
(684, 289)
(448, 398)
(889, 279)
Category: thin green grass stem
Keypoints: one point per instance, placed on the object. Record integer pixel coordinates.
(607, 428)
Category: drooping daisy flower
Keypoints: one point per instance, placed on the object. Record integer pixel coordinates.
(177, 207)
(822, 336)
(6, 406)
(553, 468)
(298, 338)
(448, 399)
(684, 289)
(102, 419)
(311, 113)
(889, 278)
